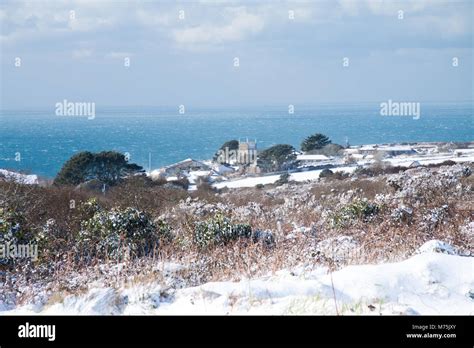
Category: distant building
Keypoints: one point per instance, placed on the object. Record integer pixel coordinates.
(388, 150)
(424, 148)
(461, 152)
(312, 158)
(350, 151)
(304, 161)
(355, 157)
(222, 169)
(183, 168)
(247, 152)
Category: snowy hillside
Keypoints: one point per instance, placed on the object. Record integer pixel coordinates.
(430, 282)
(29, 179)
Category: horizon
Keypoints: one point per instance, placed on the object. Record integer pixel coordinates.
(238, 107)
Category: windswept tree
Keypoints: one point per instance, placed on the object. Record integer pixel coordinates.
(328, 150)
(276, 157)
(314, 142)
(231, 145)
(108, 167)
(76, 169)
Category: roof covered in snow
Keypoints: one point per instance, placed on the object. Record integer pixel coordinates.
(312, 158)
(386, 148)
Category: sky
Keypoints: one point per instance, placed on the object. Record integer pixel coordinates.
(184, 53)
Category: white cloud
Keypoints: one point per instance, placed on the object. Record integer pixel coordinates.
(421, 16)
(242, 25)
(150, 18)
(32, 19)
(90, 24)
(213, 23)
(383, 7)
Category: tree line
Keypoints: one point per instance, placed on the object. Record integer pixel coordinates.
(109, 168)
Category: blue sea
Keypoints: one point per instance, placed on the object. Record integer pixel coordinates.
(45, 141)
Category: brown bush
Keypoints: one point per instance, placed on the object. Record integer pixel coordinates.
(366, 188)
(144, 195)
(444, 163)
(377, 170)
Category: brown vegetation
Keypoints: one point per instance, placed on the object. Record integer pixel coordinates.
(300, 216)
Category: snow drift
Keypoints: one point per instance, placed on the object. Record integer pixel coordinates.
(433, 281)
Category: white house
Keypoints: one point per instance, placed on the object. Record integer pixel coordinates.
(390, 150)
(222, 169)
(312, 158)
(184, 167)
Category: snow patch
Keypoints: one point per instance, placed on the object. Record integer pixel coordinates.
(437, 246)
(427, 283)
(31, 179)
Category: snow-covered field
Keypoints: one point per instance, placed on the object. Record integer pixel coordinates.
(270, 179)
(21, 178)
(403, 161)
(429, 282)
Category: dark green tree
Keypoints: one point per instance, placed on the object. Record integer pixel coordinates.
(108, 167)
(276, 157)
(75, 170)
(230, 145)
(315, 141)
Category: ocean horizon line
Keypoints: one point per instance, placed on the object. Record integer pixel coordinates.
(237, 107)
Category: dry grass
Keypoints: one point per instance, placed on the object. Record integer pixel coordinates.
(379, 240)
(366, 188)
(259, 196)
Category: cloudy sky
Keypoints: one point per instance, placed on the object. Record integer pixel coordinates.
(184, 52)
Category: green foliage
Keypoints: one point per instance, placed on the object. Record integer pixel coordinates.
(163, 229)
(48, 240)
(14, 232)
(231, 145)
(266, 238)
(76, 169)
(325, 173)
(276, 156)
(120, 232)
(361, 210)
(108, 167)
(12, 227)
(315, 141)
(219, 230)
(90, 207)
(284, 178)
(328, 150)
